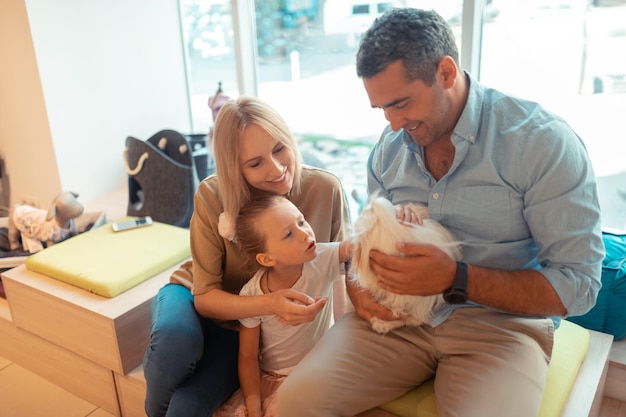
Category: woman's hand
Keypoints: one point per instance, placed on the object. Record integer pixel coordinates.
(294, 307)
(365, 305)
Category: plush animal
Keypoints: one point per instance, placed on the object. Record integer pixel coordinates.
(216, 102)
(39, 227)
(377, 227)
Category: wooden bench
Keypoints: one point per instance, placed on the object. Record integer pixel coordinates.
(73, 338)
(584, 399)
(93, 346)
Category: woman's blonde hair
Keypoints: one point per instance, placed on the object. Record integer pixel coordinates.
(232, 119)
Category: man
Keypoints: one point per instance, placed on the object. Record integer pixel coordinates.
(514, 184)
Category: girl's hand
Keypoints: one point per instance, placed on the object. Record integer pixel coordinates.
(294, 307)
(365, 305)
(254, 413)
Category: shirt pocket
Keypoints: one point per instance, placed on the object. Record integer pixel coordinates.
(490, 213)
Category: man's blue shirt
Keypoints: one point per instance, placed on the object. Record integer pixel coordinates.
(520, 194)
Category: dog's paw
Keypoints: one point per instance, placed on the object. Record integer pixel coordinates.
(382, 326)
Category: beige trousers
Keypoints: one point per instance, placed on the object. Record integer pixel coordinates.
(485, 364)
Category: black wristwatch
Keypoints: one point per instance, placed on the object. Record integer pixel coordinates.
(458, 293)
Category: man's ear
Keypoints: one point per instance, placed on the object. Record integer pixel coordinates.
(447, 71)
(265, 260)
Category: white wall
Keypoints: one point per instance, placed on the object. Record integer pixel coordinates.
(104, 70)
(25, 143)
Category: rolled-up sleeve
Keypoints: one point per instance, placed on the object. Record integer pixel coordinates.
(563, 214)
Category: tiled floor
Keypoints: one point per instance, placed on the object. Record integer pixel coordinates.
(24, 394)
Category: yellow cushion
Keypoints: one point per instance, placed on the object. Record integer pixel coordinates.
(571, 343)
(418, 402)
(108, 263)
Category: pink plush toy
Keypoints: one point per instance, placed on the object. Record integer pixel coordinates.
(38, 226)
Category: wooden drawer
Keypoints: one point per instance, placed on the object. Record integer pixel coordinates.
(616, 379)
(86, 379)
(131, 390)
(112, 332)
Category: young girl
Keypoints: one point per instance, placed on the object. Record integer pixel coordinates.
(273, 231)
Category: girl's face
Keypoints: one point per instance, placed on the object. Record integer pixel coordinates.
(289, 238)
(266, 163)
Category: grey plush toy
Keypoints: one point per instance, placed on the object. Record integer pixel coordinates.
(39, 227)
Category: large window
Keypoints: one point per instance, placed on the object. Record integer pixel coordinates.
(210, 49)
(567, 54)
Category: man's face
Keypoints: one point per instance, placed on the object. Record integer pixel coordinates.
(419, 109)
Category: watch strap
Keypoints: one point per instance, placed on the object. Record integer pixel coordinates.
(457, 294)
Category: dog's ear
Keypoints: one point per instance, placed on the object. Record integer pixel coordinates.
(365, 222)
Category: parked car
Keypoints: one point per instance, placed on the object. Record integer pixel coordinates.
(346, 20)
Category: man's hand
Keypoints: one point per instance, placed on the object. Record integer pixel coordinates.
(423, 270)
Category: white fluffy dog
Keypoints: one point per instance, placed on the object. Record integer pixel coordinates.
(377, 227)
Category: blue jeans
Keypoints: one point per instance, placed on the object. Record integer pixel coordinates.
(190, 365)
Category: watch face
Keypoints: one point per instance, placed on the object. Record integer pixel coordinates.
(455, 296)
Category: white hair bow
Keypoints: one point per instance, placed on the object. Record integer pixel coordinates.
(226, 227)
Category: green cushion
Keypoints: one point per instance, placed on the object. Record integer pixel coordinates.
(571, 343)
(108, 263)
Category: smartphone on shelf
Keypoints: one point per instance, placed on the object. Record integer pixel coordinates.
(132, 224)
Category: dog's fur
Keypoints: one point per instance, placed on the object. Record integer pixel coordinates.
(377, 227)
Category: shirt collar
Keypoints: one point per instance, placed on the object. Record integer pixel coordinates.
(467, 126)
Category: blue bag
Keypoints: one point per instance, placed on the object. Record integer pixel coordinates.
(609, 313)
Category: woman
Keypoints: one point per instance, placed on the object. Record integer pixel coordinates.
(190, 365)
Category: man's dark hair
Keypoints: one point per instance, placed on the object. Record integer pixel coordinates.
(420, 38)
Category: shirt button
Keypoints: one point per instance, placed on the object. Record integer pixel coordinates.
(436, 196)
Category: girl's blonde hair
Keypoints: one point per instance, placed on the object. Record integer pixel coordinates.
(250, 236)
(232, 119)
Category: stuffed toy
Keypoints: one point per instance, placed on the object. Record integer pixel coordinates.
(41, 228)
(215, 104)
